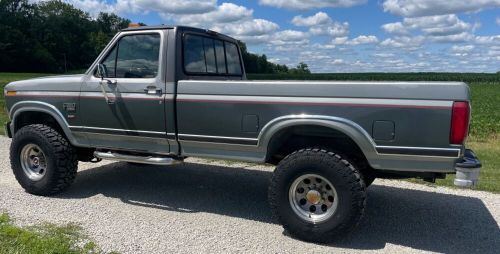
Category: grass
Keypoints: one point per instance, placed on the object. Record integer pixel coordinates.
(485, 125)
(489, 153)
(44, 238)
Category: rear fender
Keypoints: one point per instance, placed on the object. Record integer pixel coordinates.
(348, 127)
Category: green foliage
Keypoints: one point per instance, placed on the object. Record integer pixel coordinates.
(258, 63)
(52, 36)
(301, 69)
(485, 122)
(45, 238)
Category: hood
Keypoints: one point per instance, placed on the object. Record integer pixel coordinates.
(49, 83)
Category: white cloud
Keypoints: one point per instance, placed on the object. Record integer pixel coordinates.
(337, 61)
(384, 55)
(438, 28)
(291, 35)
(364, 39)
(491, 40)
(319, 18)
(440, 25)
(231, 19)
(403, 42)
(166, 6)
(224, 13)
(395, 28)
(93, 7)
(462, 49)
(340, 40)
(419, 8)
(248, 28)
(335, 29)
(310, 4)
(321, 24)
(461, 37)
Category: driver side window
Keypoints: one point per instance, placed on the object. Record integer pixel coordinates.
(134, 56)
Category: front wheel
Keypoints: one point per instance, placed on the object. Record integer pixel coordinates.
(317, 195)
(43, 161)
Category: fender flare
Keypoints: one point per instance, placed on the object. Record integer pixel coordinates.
(42, 107)
(348, 127)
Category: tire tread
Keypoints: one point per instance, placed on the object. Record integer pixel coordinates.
(350, 175)
(66, 162)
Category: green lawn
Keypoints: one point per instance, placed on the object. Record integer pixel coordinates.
(489, 153)
(45, 238)
(485, 126)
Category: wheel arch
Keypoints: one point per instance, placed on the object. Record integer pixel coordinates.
(350, 129)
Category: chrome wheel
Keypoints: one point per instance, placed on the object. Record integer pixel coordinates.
(313, 198)
(33, 162)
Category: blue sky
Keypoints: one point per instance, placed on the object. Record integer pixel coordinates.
(340, 35)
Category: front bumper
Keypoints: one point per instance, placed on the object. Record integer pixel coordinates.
(467, 171)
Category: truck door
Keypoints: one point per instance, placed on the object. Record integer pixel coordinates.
(126, 110)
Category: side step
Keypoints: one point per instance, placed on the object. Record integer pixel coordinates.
(114, 156)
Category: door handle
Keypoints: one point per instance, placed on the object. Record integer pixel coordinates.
(103, 90)
(152, 90)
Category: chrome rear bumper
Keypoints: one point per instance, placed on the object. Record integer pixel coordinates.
(467, 171)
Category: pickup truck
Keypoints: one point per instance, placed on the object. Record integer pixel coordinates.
(159, 94)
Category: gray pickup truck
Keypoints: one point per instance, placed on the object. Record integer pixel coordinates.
(157, 95)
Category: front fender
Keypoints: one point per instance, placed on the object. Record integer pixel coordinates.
(43, 107)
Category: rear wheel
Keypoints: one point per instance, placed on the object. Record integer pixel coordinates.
(317, 195)
(42, 160)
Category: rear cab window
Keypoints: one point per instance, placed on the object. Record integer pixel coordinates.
(204, 55)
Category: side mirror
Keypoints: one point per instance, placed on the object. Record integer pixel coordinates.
(102, 72)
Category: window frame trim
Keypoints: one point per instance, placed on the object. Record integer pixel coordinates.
(225, 57)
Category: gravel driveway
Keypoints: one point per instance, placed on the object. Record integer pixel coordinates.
(209, 207)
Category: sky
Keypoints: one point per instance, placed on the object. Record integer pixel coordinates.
(340, 35)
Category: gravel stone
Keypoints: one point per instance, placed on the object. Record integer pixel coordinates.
(207, 206)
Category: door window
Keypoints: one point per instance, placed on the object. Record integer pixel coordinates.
(135, 56)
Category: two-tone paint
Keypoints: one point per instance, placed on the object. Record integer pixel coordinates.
(232, 118)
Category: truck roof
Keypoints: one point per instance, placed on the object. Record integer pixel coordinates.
(185, 28)
(135, 28)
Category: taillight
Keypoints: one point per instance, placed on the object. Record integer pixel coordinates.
(459, 122)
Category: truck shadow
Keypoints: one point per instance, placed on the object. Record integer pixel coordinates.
(416, 219)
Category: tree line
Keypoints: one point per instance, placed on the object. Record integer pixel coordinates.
(259, 64)
(53, 36)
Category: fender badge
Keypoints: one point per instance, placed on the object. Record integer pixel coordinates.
(69, 107)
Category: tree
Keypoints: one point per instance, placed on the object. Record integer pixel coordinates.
(52, 36)
(302, 68)
(258, 63)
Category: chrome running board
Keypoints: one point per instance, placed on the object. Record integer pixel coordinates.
(114, 156)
